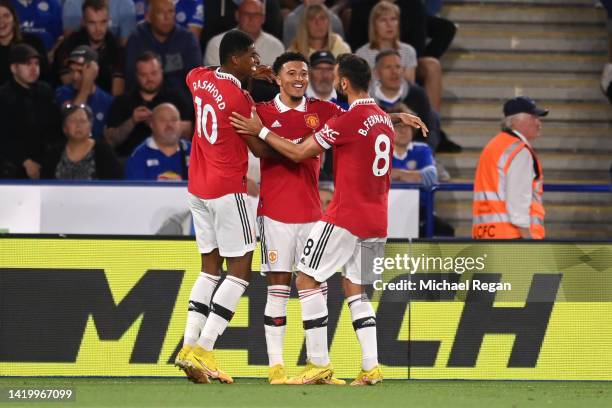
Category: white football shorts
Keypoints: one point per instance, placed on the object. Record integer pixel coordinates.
(227, 223)
(281, 244)
(330, 248)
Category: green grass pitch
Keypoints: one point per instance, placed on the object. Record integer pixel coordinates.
(141, 392)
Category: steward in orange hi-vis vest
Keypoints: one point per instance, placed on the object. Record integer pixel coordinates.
(490, 216)
(493, 216)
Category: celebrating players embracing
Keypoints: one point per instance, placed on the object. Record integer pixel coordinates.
(224, 223)
(354, 226)
(289, 202)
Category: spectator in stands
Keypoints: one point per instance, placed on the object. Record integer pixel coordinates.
(606, 76)
(189, 14)
(80, 157)
(509, 180)
(122, 21)
(413, 162)
(389, 87)
(163, 155)
(293, 19)
(380, 24)
(326, 193)
(42, 18)
(10, 35)
(383, 32)
(220, 17)
(129, 115)
(82, 89)
(178, 48)
(420, 26)
(94, 33)
(29, 117)
(321, 78)
(314, 33)
(250, 17)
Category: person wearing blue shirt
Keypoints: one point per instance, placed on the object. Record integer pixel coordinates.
(42, 18)
(189, 14)
(413, 162)
(122, 17)
(163, 155)
(84, 69)
(179, 49)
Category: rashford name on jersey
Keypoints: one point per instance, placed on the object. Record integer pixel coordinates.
(211, 89)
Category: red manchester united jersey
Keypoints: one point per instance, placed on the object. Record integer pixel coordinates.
(289, 191)
(219, 157)
(363, 147)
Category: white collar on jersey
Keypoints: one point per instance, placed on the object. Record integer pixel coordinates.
(225, 75)
(362, 101)
(150, 141)
(282, 108)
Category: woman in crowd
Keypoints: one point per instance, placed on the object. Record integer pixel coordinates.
(314, 33)
(80, 157)
(10, 35)
(384, 33)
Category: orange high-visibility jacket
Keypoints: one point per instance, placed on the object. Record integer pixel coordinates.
(491, 219)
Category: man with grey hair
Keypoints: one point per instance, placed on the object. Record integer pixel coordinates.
(509, 180)
(163, 155)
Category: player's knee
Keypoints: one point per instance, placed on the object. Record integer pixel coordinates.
(304, 281)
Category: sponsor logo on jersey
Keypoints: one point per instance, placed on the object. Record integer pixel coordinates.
(273, 256)
(276, 124)
(328, 133)
(312, 120)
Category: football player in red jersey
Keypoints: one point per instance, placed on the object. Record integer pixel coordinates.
(353, 229)
(289, 202)
(224, 223)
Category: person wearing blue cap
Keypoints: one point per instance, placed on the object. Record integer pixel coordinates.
(509, 181)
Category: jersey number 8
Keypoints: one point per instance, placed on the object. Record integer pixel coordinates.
(201, 124)
(382, 147)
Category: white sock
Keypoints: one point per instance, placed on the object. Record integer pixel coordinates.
(222, 310)
(199, 303)
(364, 323)
(275, 321)
(323, 287)
(314, 316)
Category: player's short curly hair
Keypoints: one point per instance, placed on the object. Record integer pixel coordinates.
(234, 42)
(356, 70)
(287, 57)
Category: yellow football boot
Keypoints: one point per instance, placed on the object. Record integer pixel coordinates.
(277, 375)
(202, 363)
(371, 377)
(312, 374)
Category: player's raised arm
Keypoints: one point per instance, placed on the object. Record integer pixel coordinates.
(253, 127)
(410, 120)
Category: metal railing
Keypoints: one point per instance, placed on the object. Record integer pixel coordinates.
(429, 194)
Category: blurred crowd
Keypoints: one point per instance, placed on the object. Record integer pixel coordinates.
(95, 89)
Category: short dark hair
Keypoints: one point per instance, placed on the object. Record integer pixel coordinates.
(95, 5)
(287, 57)
(68, 109)
(148, 56)
(356, 70)
(234, 42)
(384, 54)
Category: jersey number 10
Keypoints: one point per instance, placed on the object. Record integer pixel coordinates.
(201, 124)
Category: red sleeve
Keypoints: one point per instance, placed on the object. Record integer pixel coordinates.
(328, 135)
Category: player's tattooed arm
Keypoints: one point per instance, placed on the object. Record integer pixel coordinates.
(253, 127)
(410, 120)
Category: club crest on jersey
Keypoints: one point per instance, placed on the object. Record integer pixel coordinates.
(272, 256)
(312, 120)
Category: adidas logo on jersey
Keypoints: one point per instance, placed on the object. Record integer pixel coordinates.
(370, 322)
(276, 124)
